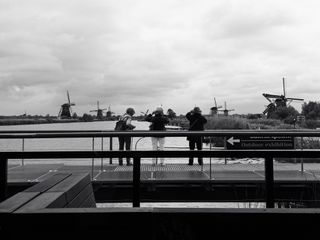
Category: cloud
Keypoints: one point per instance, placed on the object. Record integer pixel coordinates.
(146, 53)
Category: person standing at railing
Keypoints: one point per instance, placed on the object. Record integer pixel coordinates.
(158, 122)
(125, 142)
(197, 122)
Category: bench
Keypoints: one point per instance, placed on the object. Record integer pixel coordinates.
(62, 190)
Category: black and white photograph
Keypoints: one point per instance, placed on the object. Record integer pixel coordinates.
(159, 119)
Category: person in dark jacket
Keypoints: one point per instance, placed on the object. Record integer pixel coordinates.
(125, 142)
(197, 122)
(158, 122)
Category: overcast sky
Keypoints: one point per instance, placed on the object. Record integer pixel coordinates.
(144, 53)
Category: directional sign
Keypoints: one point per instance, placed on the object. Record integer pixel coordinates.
(260, 142)
(232, 141)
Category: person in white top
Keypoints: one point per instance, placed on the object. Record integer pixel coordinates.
(158, 121)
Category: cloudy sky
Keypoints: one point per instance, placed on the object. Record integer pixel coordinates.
(144, 53)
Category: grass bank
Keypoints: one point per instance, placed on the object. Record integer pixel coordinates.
(22, 121)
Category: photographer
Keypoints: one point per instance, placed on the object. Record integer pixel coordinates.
(125, 142)
(197, 122)
(158, 122)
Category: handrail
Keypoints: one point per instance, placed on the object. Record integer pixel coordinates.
(310, 153)
(269, 155)
(216, 130)
(184, 133)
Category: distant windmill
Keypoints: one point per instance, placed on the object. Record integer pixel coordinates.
(145, 113)
(278, 100)
(99, 111)
(225, 110)
(109, 112)
(214, 109)
(65, 110)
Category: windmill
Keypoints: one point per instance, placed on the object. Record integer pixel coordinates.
(65, 110)
(99, 111)
(276, 101)
(109, 112)
(225, 110)
(145, 113)
(214, 110)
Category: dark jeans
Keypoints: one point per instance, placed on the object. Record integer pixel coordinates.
(193, 142)
(124, 141)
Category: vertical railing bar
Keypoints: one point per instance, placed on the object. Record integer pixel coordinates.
(295, 146)
(3, 177)
(92, 161)
(22, 159)
(110, 148)
(301, 159)
(269, 182)
(225, 147)
(101, 165)
(136, 182)
(201, 166)
(210, 160)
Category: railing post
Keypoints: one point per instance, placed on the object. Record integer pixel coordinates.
(225, 147)
(269, 182)
(22, 159)
(101, 166)
(110, 148)
(92, 163)
(3, 177)
(136, 182)
(210, 159)
(301, 159)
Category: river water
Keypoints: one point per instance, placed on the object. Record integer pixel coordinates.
(66, 144)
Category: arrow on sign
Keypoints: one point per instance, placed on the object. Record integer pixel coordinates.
(232, 141)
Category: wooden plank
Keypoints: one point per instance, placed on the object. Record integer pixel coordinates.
(81, 197)
(73, 185)
(55, 192)
(16, 201)
(45, 200)
(48, 183)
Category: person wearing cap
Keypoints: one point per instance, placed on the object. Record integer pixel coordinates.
(125, 142)
(158, 122)
(197, 122)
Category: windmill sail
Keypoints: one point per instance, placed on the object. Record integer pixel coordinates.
(284, 87)
(68, 97)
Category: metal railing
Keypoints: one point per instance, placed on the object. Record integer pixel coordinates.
(268, 155)
(180, 133)
(32, 134)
